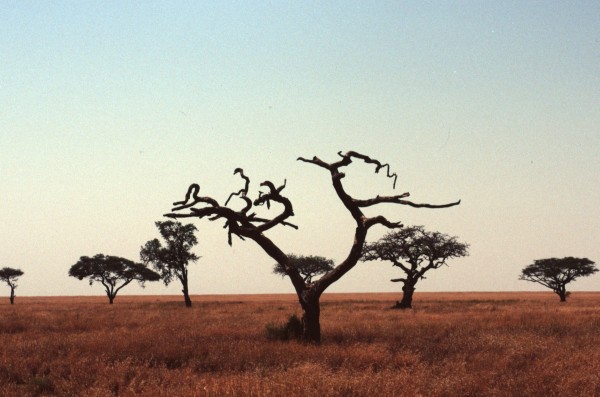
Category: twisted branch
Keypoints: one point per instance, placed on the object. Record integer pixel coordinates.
(239, 223)
(242, 193)
(369, 160)
(192, 192)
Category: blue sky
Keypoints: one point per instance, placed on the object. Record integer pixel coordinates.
(109, 110)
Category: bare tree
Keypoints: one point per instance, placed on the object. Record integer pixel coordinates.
(556, 273)
(246, 224)
(415, 251)
(10, 276)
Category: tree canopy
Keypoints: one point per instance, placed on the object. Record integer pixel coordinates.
(112, 272)
(555, 273)
(171, 260)
(10, 275)
(415, 251)
(308, 266)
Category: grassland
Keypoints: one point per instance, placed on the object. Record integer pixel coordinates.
(460, 344)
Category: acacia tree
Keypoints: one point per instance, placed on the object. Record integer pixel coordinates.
(246, 224)
(10, 276)
(308, 266)
(112, 272)
(415, 251)
(171, 261)
(556, 273)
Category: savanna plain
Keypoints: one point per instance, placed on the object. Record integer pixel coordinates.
(449, 344)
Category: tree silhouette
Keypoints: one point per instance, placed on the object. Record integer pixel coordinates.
(415, 251)
(244, 224)
(10, 276)
(308, 266)
(112, 272)
(556, 273)
(171, 261)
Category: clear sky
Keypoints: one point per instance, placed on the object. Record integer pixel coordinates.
(109, 110)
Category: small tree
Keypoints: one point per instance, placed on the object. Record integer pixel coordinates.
(415, 251)
(112, 272)
(556, 273)
(307, 266)
(171, 261)
(245, 223)
(10, 276)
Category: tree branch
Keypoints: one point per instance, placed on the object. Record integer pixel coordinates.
(378, 165)
(192, 192)
(399, 200)
(242, 193)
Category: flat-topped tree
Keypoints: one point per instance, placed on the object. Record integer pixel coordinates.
(555, 273)
(415, 251)
(112, 272)
(308, 266)
(246, 224)
(10, 276)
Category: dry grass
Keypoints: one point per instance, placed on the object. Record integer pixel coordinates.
(461, 344)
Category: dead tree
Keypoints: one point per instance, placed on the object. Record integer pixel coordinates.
(245, 224)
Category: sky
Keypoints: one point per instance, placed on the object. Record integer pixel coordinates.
(110, 110)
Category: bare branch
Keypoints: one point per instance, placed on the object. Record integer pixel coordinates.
(399, 200)
(317, 161)
(274, 195)
(381, 220)
(416, 205)
(242, 193)
(369, 160)
(192, 192)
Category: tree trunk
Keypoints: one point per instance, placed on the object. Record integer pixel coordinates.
(407, 295)
(186, 297)
(110, 299)
(12, 296)
(563, 296)
(186, 294)
(311, 327)
(562, 292)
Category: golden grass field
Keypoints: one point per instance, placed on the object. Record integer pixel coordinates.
(450, 344)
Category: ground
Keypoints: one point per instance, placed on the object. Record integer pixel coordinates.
(450, 344)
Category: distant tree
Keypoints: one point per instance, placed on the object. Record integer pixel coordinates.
(112, 272)
(171, 261)
(556, 273)
(10, 276)
(308, 266)
(415, 251)
(245, 223)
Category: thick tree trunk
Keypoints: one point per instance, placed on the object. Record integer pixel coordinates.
(562, 293)
(407, 295)
(12, 296)
(110, 299)
(563, 296)
(311, 327)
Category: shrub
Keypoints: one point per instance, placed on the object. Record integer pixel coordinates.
(286, 331)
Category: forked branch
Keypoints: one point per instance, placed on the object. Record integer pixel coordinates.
(355, 205)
